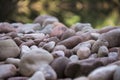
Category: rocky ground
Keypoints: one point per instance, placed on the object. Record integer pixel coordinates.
(48, 50)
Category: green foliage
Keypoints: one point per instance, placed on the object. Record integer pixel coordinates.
(99, 13)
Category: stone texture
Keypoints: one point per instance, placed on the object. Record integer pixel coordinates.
(83, 52)
(59, 65)
(38, 75)
(103, 51)
(8, 48)
(7, 70)
(116, 75)
(81, 78)
(103, 73)
(36, 59)
(18, 78)
(6, 27)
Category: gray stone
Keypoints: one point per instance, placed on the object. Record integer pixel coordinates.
(37, 59)
(103, 73)
(83, 52)
(37, 76)
(8, 49)
(116, 75)
(74, 58)
(7, 70)
(103, 51)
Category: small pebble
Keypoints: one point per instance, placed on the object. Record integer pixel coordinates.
(83, 52)
(103, 51)
(74, 58)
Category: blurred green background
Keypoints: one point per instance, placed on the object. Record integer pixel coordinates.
(99, 13)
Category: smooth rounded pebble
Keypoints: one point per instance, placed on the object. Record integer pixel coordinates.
(83, 52)
(74, 58)
(103, 73)
(14, 61)
(7, 70)
(81, 78)
(38, 75)
(34, 60)
(8, 49)
(116, 75)
(103, 51)
(59, 65)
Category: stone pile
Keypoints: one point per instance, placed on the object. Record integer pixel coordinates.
(48, 50)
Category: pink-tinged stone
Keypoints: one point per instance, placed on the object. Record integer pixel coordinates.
(58, 29)
(6, 27)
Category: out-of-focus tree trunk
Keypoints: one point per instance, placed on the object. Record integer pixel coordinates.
(7, 9)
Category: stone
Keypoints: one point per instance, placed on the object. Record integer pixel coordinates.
(82, 44)
(36, 59)
(12, 34)
(7, 70)
(93, 56)
(70, 42)
(113, 55)
(49, 46)
(35, 35)
(66, 79)
(81, 67)
(48, 72)
(107, 28)
(95, 35)
(83, 52)
(85, 66)
(59, 47)
(24, 50)
(41, 44)
(14, 61)
(59, 65)
(29, 28)
(116, 63)
(58, 29)
(47, 29)
(103, 73)
(8, 49)
(97, 45)
(49, 21)
(116, 75)
(37, 76)
(6, 27)
(68, 33)
(112, 37)
(41, 19)
(18, 41)
(55, 39)
(18, 78)
(82, 27)
(81, 78)
(57, 54)
(74, 58)
(103, 51)
(28, 43)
